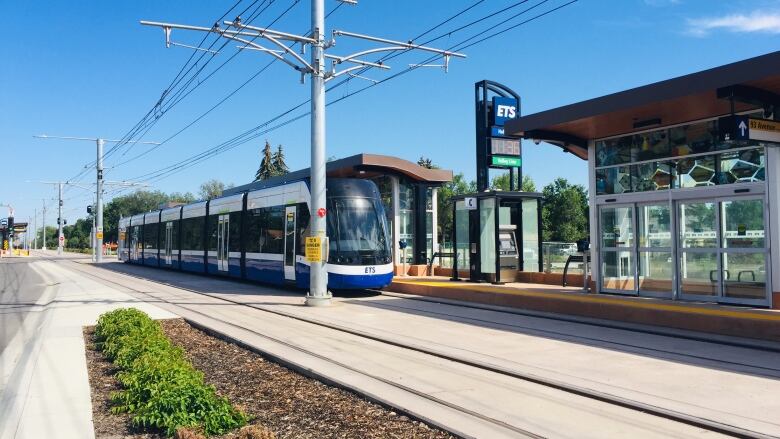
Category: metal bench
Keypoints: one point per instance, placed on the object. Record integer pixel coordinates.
(440, 255)
(572, 258)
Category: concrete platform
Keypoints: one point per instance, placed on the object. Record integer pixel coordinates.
(728, 384)
(761, 324)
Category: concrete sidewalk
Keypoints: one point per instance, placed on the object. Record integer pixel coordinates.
(47, 392)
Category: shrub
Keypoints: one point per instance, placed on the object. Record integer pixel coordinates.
(162, 389)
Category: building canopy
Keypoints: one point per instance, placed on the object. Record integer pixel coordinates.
(750, 84)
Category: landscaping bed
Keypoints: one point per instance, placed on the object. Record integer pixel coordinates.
(289, 404)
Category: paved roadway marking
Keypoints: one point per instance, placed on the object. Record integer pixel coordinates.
(20, 288)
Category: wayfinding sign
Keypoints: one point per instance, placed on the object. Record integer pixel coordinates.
(749, 128)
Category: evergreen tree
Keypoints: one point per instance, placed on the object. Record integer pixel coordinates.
(280, 167)
(266, 169)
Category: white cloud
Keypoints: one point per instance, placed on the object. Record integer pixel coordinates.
(757, 21)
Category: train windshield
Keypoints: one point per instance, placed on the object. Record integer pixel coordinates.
(358, 232)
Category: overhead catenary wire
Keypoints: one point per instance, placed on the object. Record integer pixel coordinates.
(257, 131)
(125, 139)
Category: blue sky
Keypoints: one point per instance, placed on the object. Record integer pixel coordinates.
(89, 69)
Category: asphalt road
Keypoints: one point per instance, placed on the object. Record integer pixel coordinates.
(20, 287)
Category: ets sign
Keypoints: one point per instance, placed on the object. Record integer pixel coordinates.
(504, 109)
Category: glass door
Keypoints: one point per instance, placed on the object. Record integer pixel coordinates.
(655, 263)
(723, 250)
(617, 249)
(289, 243)
(699, 250)
(744, 251)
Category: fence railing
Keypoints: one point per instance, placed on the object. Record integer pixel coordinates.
(554, 254)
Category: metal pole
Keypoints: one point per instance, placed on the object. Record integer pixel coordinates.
(60, 236)
(99, 203)
(35, 230)
(318, 287)
(43, 220)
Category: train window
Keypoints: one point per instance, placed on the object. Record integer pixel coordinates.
(253, 230)
(211, 231)
(234, 232)
(264, 230)
(150, 236)
(175, 235)
(273, 236)
(192, 234)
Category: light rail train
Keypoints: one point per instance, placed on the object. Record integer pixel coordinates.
(259, 236)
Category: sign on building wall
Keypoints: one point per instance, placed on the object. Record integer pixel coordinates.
(748, 128)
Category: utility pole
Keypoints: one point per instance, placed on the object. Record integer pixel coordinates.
(246, 35)
(43, 221)
(60, 220)
(98, 242)
(35, 230)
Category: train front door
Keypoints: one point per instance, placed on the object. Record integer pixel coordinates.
(289, 243)
(223, 231)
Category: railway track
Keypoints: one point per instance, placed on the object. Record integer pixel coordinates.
(661, 412)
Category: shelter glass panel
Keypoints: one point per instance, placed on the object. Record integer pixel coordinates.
(487, 235)
(406, 202)
(696, 172)
(744, 275)
(694, 138)
(744, 166)
(698, 227)
(655, 271)
(462, 234)
(617, 270)
(699, 273)
(530, 233)
(617, 227)
(615, 180)
(655, 225)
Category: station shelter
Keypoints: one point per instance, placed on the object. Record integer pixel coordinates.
(497, 235)
(409, 195)
(684, 183)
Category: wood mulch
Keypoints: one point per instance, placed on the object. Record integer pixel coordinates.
(290, 404)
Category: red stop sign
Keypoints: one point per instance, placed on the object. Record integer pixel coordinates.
(321, 212)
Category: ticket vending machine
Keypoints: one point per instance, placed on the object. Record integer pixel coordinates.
(496, 235)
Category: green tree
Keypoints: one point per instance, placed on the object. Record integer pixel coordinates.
(266, 169)
(277, 161)
(502, 182)
(126, 205)
(211, 189)
(458, 186)
(564, 211)
(426, 163)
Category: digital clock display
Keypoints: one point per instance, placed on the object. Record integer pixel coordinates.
(504, 146)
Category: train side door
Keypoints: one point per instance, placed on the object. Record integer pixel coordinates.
(168, 242)
(289, 243)
(222, 242)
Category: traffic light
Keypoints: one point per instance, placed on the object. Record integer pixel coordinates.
(10, 227)
(61, 203)
(89, 209)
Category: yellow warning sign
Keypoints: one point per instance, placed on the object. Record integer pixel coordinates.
(99, 235)
(313, 249)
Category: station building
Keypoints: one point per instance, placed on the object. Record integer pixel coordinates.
(684, 183)
(409, 195)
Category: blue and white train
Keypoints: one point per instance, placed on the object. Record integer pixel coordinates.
(259, 236)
